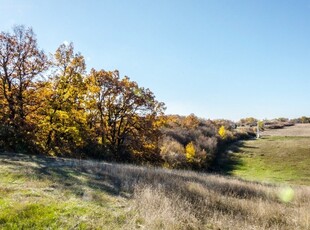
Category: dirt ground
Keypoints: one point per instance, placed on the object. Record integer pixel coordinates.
(299, 130)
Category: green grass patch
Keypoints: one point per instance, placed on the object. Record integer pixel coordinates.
(65, 215)
(274, 159)
(33, 196)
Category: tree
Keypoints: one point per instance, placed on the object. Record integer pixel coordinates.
(125, 115)
(64, 123)
(222, 132)
(102, 91)
(172, 153)
(304, 119)
(71, 111)
(21, 65)
(191, 121)
(190, 152)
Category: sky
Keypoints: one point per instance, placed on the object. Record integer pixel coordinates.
(214, 58)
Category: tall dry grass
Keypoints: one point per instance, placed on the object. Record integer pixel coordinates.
(159, 198)
(170, 199)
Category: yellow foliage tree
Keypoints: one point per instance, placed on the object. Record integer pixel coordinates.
(223, 132)
(190, 152)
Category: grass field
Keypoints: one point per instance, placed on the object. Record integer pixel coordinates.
(271, 159)
(298, 130)
(47, 193)
(281, 155)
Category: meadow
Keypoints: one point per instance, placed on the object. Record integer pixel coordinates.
(56, 114)
(298, 130)
(40, 192)
(279, 156)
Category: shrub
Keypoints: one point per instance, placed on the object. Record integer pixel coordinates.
(173, 153)
(222, 132)
(190, 152)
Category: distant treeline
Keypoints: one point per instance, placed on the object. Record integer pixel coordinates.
(52, 105)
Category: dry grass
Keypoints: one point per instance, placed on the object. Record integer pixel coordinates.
(168, 199)
(299, 130)
(165, 199)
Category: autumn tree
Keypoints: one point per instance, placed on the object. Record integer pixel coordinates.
(222, 132)
(191, 121)
(21, 65)
(64, 123)
(190, 152)
(102, 90)
(125, 115)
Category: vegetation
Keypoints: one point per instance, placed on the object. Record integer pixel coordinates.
(53, 106)
(279, 156)
(302, 120)
(45, 193)
(222, 132)
(191, 142)
(41, 192)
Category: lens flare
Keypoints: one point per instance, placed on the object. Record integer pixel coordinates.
(286, 194)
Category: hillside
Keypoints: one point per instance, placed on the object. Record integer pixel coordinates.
(41, 192)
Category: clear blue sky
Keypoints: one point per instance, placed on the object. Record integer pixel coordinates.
(217, 59)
